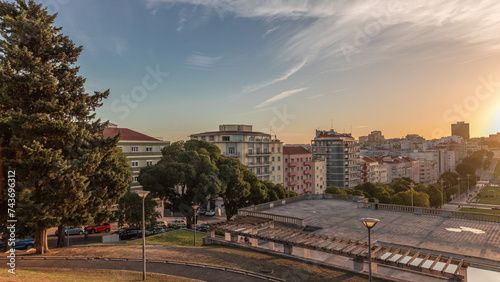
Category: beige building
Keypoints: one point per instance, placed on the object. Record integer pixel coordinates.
(254, 149)
(319, 176)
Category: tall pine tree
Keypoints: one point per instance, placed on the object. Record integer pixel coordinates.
(48, 131)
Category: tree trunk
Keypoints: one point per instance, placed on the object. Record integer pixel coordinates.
(42, 244)
(60, 236)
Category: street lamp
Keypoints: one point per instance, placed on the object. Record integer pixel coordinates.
(467, 198)
(143, 195)
(458, 178)
(195, 210)
(411, 187)
(369, 223)
(441, 181)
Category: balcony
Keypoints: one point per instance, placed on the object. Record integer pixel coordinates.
(290, 174)
(307, 172)
(258, 154)
(308, 163)
(231, 154)
(293, 183)
(252, 164)
(292, 164)
(307, 181)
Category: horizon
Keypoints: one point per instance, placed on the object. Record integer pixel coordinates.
(179, 67)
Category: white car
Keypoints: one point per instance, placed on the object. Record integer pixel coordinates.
(210, 213)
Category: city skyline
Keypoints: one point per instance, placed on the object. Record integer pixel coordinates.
(177, 68)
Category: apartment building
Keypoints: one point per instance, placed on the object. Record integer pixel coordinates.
(341, 153)
(254, 149)
(140, 149)
(319, 176)
(298, 172)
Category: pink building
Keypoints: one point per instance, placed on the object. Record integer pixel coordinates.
(298, 172)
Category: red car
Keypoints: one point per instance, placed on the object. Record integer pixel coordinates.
(106, 227)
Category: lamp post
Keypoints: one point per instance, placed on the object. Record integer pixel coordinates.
(467, 198)
(441, 181)
(143, 195)
(369, 223)
(458, 178)
(411, 187)
(195, 210)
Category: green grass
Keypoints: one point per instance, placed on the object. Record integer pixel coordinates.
(489, 195)
(496, 173)
(480, 211)
(177, 238)
(84, 275)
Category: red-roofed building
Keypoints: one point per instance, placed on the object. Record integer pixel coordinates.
(140, 149)
(298, 170)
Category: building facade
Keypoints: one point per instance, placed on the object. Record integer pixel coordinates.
(461, 129)
(298, 173)
(254, 149)
(341, 153)
(140, 149)
(319, 176)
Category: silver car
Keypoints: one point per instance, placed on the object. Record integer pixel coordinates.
(72, 231)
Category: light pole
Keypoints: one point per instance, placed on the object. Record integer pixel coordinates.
(458, 178)
(143, 195)
(411, 187)
(467, 198)
(195, 210)
(441, 181)
(369, 223)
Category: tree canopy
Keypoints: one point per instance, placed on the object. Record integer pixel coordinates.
(48, 131)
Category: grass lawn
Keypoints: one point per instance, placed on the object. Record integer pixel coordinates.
(180, 237)
(480, 211)
(62, 274)
(489, 195)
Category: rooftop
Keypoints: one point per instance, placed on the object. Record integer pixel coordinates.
(127, 134)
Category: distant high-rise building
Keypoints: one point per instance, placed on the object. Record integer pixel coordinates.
(341, 153)
(460, 129)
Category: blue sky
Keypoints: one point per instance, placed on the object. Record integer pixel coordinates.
(289, 67)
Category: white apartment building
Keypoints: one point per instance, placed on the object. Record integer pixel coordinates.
(254, 149)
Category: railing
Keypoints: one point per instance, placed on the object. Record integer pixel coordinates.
(277, 218)
(292, 164)
(231, 154)
(431, 212)
(277, 203)
(292, 174)
(308, 163)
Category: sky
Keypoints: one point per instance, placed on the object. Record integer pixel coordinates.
(178, 67)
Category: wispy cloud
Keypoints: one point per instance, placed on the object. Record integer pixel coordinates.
(202, 61)
(280, 96)
(285, 76)
(376, 30)
(316, 96)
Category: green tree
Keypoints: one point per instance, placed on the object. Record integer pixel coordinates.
(420, 199)
(335, 190)
(48, 126)
(130, 210)
(187, 174)
(236, 184)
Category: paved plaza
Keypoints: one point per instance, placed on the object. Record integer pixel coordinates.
(448, 235)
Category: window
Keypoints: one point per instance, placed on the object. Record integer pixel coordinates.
(135, 163)
(272, 159)
(225, 138)
(135, 179)
(148, 163)
(149, 149)
(135, 149)
(279, 159)
(279, 167)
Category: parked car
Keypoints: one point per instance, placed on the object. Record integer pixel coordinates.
(106, 227)
(210, 213)
(130, 233)
(156, 230)
(203, 227)
(176, 222)
(180, 226)
(202, 211)
(18, 244)
(161, 224)
(72, 231)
